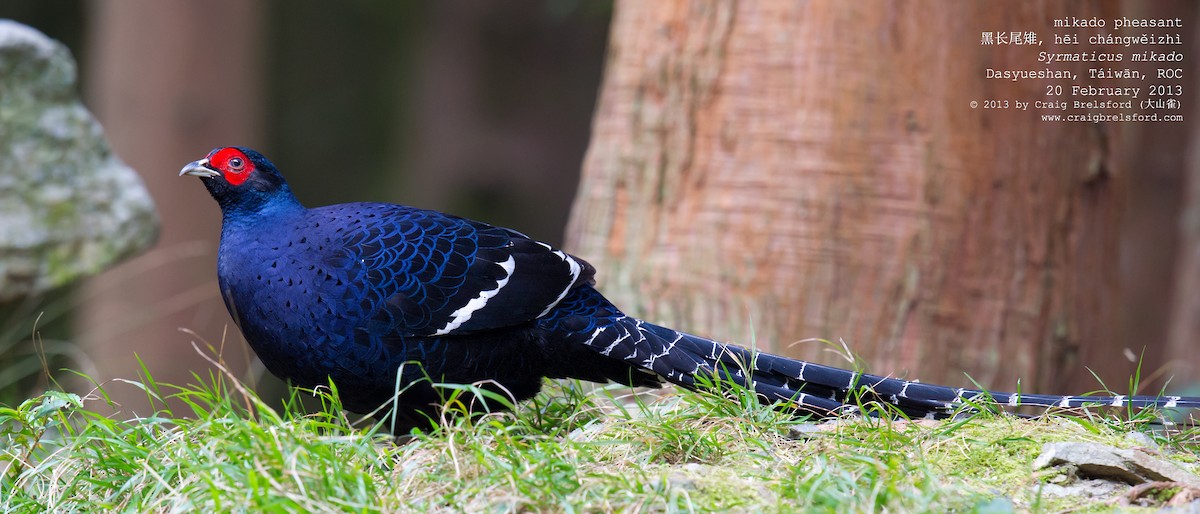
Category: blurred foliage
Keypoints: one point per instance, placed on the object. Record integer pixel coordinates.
(62, 20)
(34, 337)
(332, 75)
(437, 105)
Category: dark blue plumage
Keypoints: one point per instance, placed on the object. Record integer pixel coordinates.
(385, 298)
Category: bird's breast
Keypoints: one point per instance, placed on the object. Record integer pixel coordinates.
(294, 304)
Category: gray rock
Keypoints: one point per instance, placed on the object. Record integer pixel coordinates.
(1098, 461)
(1085, 488)
(68, 206)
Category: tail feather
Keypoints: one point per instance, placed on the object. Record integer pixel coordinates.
(818, 389)
(586, 318)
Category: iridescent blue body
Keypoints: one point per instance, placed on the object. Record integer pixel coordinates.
(386, 300)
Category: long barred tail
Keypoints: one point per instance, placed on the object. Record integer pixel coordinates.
(681, 358)
(822, 390)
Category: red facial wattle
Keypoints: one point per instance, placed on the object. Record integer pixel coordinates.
(232, 163)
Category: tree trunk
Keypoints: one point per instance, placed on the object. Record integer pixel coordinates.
(1160, 247)
(1184, 331)
(169, 81)
(772, 171)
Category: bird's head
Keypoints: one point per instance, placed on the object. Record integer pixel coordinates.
(240, 179)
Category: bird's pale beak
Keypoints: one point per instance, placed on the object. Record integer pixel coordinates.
(199, 169)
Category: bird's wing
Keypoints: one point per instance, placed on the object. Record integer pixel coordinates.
(424, 273)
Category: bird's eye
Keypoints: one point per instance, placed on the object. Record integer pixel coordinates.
(236, 164)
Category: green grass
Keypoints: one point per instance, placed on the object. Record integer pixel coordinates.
(572, 449)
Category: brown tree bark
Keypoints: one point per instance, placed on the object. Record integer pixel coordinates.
(1160, 232)
(1184, 329)
(169, 81)
(772, 171)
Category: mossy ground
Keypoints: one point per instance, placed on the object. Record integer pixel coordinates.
(573, 449)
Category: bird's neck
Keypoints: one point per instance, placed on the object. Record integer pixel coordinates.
(264, 209)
